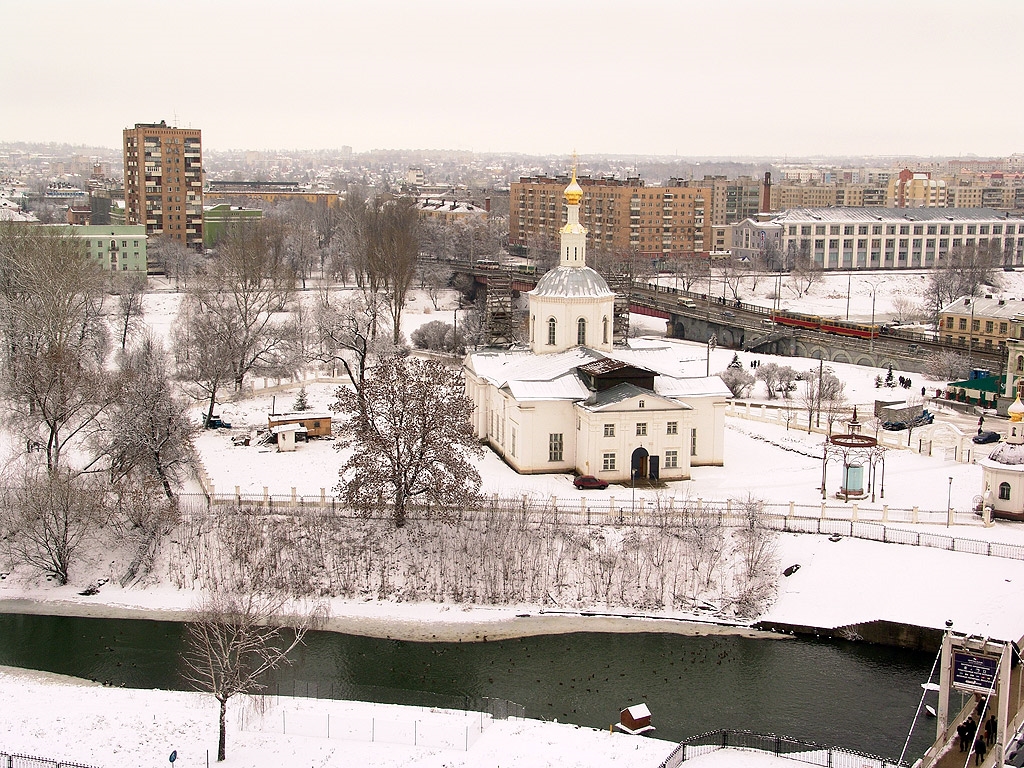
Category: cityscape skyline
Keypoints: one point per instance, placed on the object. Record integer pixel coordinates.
(728, 79)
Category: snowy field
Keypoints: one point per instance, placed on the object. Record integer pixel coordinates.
(839, 582)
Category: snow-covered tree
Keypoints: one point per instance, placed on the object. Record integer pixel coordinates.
(738, 381)
(410, 439)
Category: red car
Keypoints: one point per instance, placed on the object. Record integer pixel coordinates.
(589, 481)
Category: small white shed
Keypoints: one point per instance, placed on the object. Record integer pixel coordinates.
(286, 434)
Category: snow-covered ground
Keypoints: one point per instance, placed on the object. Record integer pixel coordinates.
(839, 582)
(69, 719)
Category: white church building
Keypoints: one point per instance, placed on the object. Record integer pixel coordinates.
(572, 402)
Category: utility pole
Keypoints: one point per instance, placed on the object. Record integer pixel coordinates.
(817, 415)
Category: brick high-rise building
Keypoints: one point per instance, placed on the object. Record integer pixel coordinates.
(658, 222)
(163, 181)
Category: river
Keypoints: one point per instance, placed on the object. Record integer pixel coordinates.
(849, 695)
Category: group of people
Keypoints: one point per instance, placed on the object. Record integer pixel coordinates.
(975, 738)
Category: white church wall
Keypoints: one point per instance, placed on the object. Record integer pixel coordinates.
(708, 419)
(593, 442)
(567, 313)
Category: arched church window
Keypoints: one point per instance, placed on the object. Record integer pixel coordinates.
(533, 328)
(1020, 362)
(1004, 491)
(581, 332)
(604, 330)
(551, 331)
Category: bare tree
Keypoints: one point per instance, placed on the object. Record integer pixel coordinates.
(177, 261)
(54, 337)
(804, 274)
(434, 277)
(733, 273)
(242, 294)
(235, 639)
(758, 546)
(47, 519)
(948, 365)
(130, 291)
(345, 334)
(690, 271)
(906, 310)
(149, 430)
(201, 362)
(410, 439)
(397, 240)
(822, 392)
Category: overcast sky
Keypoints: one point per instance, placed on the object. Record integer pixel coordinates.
(687, 77)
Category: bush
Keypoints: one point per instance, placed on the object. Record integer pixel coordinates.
(436, 335)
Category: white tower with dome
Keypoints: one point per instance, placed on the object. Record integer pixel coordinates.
(1003, 469)
(572, 305)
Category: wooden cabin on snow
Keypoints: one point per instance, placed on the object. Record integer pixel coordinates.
(317, 424)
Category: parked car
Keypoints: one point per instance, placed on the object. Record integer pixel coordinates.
(589, 481)
(987, 437)
(894, 426)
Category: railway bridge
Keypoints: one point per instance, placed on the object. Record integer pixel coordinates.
(739, 325)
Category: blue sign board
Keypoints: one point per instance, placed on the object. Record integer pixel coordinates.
(974, 672)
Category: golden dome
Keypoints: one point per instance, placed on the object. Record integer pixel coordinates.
(574, 192)
(1016, 410)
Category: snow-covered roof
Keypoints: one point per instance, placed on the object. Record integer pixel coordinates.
(566, 387)
(522, 365)
(295, 415)
(620, 393)
(553, 377)
(702, 386)
(572, 282)
(638, 711)
(893, 215)
(1005, 455)
(287, 428)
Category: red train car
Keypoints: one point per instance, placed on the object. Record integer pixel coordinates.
(825, 325)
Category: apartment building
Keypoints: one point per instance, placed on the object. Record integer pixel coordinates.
(982, 322)
(882, 238)
(163, 181)
(619, 215)
(116, 249)
(910, 189)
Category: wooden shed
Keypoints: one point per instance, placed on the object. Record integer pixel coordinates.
(635, 720)
(317, 424)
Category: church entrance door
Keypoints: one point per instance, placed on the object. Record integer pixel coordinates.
(640, 463)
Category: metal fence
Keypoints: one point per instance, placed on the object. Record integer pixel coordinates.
(424, 719)
(800, 750)
(14, 760)
(875, 523)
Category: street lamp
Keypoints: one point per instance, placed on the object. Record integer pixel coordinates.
(632, 483)
(949, 500)
(872, 332)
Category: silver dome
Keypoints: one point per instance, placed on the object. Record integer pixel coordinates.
(572, 282)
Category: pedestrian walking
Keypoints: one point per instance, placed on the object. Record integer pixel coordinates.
(990, 730)
(961, 732)
(979, 750)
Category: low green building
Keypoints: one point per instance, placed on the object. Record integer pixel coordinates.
(115, 248)
(217, 218)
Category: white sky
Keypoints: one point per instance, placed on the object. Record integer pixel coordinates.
(730, 77)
